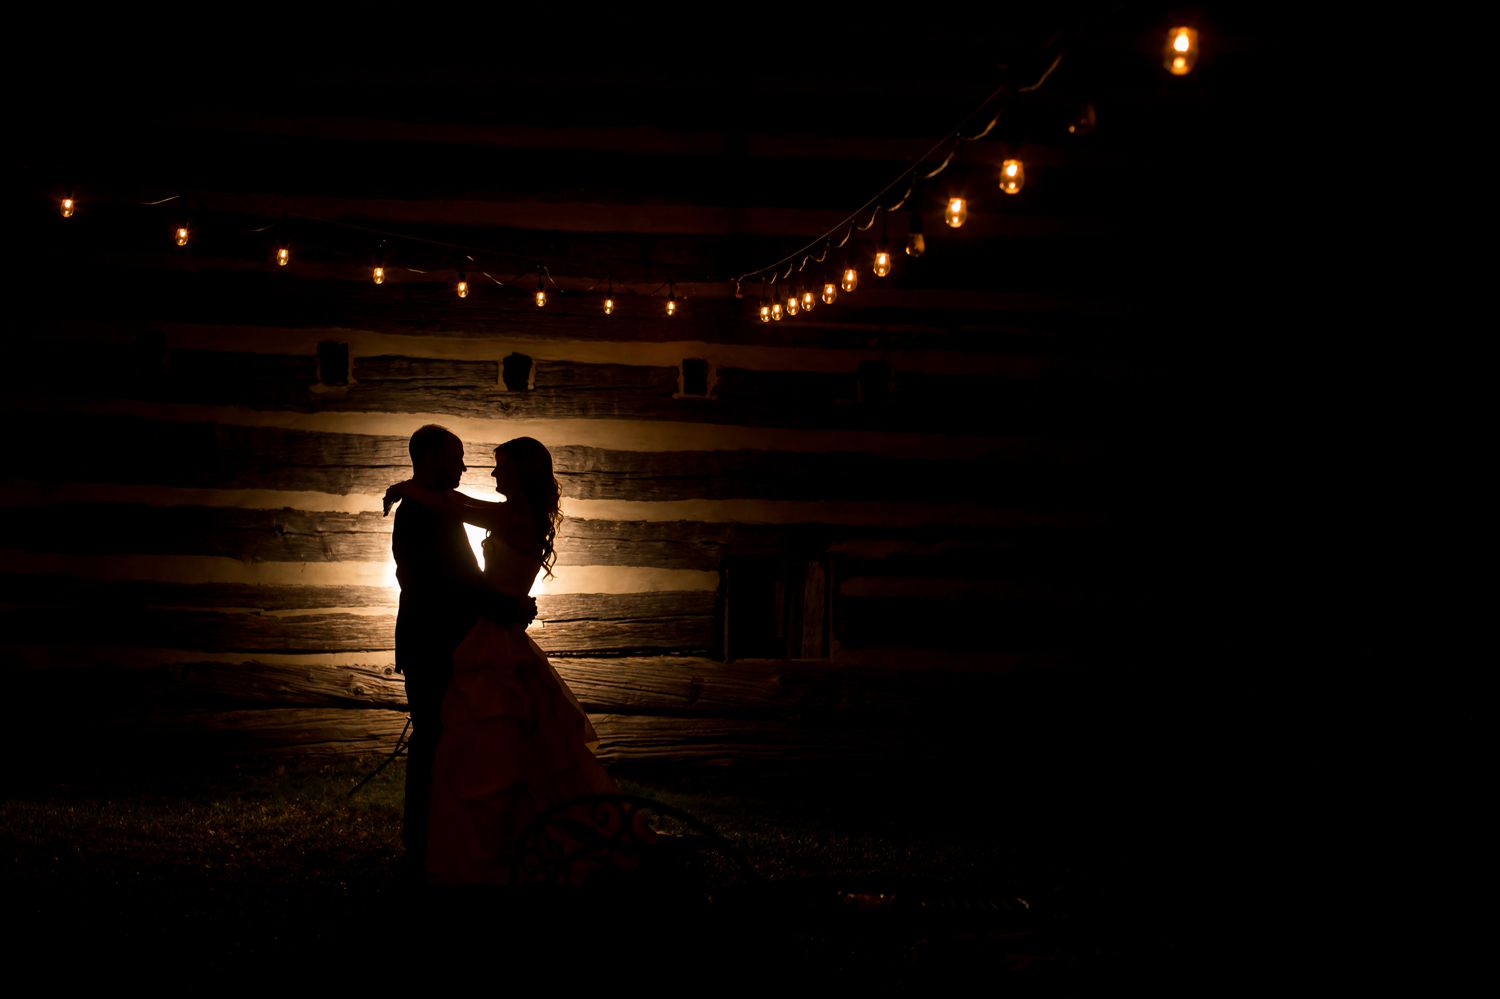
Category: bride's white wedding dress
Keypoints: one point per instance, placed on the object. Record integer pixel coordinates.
(514, 741)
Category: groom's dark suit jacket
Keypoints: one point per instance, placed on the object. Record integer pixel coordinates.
(440, 580)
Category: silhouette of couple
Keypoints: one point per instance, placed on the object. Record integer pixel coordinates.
(497, 736)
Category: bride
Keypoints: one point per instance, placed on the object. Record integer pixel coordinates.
(515, 740)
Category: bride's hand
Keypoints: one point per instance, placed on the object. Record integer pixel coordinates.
(393, 495)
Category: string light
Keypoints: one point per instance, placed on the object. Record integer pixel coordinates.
(1182, 51)
(916, 243)
(765, 302)
(1084, 121)
(957, 212)
(671, 300)
(1012, 176)
(882, 253)
(1181, 54)
(851, 279)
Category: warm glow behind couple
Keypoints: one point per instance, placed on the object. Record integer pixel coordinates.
(497, 736)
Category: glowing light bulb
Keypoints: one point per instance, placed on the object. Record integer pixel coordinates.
(378, 274)
(67, 208)
(776, 311)
(765, 312)
(283, 256)
(1182, 51)
(793, 304)
(830, 292)
(671, 306)
(182, 235)
(1012, 176)
(1083, 123)
(851, 279)
(808, 301)
(462, 288)
(957, 212)
(609, 306)
(882, 264)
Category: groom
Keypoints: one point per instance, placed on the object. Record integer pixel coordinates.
(441, 592)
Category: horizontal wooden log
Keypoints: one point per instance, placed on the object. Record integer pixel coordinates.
(672, 621)
(1061, 402)
(136, 287)
(590, 473)
(520, 175)
(568, 623)
(809, 690)
(1018, 625)
(220, 456)
(262, 684)
(420, 372)
(1053, 556)
(200, 629)
(622, 738)
(248, 535)
(43, 590)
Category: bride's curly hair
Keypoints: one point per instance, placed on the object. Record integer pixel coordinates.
(533, 464)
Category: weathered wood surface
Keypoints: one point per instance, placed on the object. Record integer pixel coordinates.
(820, 691)
(208, 630)
(633, 738)
(138, 288)
(667, 621)
(224, 456)
(670, 620)
(1058, 403)
(276, 685)
(1019, 625)
(259, 535)
(249, 535)
(43, 590)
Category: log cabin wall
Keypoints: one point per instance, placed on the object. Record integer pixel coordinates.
(786, 538)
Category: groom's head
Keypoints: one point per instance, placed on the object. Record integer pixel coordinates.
(437, 457)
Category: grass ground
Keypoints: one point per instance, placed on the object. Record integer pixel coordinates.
(264, 869)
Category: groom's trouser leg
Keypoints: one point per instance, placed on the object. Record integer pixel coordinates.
(424, 697)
